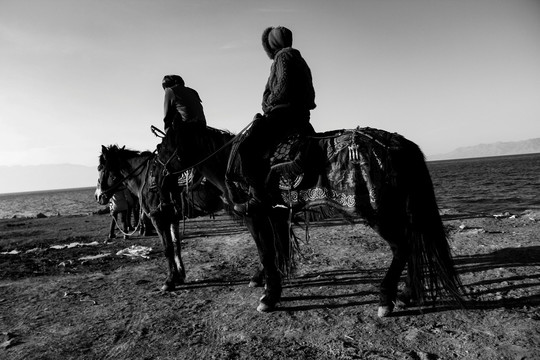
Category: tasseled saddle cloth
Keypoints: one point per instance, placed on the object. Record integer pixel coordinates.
(343, 169)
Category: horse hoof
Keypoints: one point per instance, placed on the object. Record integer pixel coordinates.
(167, 287)
(263, 308)
(266, 304)
(405, 300)
(384, 311)
(254, 284)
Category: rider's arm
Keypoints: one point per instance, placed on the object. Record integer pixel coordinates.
(169, 108)
(277, 90)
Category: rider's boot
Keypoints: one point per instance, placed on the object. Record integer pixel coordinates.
(166, 206)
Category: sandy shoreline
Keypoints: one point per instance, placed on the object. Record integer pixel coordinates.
(53, 304)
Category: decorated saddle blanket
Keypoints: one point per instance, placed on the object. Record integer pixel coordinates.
(342, 169)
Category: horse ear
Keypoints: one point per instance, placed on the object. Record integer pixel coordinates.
(123, 147)
(103, 149)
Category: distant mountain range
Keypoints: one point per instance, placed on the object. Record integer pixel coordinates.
(46, 177)
(495, 149)
(67, 176)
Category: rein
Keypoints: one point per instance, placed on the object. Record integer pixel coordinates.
(164, 164)
(131, 233)
(175, 153)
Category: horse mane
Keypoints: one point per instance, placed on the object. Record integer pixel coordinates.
(207, 139)
(218, 136)
(221, 132)
(123, 153)
(127, 152)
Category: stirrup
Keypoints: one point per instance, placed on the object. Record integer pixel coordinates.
(288, 174)
(248, 207)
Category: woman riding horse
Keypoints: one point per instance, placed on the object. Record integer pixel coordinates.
(287, 100)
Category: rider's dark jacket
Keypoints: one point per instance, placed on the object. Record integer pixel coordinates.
(290, 82)
(182, 104)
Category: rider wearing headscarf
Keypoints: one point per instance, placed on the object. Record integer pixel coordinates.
(181, 102)
(288, 98)
(289, 84)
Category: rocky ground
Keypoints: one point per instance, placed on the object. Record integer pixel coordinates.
(66, 293)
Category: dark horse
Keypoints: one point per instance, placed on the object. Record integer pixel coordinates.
(135, 169)
(368, 173)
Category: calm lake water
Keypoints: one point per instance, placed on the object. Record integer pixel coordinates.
(78, 201)
(488, 185)
(474, 186)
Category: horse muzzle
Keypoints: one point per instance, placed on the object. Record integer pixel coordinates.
(101, 197)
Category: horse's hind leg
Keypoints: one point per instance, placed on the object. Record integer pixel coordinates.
(406, 297)
(389, 285)
(257, 280)
(388, 289)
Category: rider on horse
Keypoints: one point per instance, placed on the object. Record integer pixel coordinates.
(287, 100)
(182, 104)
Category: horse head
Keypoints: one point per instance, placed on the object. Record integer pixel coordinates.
(109, 176)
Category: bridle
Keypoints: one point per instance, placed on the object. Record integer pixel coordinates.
(164, 164)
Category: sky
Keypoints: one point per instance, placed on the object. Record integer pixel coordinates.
(78, 74)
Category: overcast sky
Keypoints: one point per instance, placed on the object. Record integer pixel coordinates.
(76, 74)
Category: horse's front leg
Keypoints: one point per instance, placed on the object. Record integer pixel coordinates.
(163, 230)
(181, 270)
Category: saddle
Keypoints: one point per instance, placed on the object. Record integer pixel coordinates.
(286, 167)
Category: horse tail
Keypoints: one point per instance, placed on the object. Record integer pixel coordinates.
(431, 268)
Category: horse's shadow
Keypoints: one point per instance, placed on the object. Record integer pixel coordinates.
(507, 257)
(493, 288)
(522, 257)
(208, 226)
(311, 291)
(519, 258)
(331, 290)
